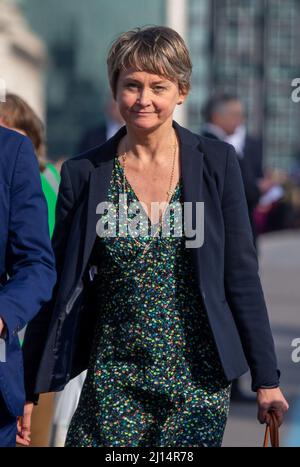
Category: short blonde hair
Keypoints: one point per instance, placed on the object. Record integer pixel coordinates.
(157, 49)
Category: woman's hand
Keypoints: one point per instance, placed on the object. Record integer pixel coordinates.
(24, 425)
(271, 400)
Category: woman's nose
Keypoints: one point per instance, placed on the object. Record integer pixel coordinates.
(144, 98)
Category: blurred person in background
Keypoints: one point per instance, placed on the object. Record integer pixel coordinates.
(161, 339)
(16, 114)
(295, 201)
(274, 211)
(295, 191)
(27, 274)
(66, 403)
(98, 135)
(59, 162)
(224, 117)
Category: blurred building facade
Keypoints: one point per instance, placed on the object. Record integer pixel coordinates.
(22, 58)
(78, 35)
(248, 47)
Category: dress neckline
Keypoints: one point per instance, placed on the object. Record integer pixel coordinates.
(136, 197)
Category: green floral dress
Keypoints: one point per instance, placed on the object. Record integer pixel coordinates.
(155, 377)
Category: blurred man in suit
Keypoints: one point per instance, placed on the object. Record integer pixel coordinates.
(100, 134)
(224, 117)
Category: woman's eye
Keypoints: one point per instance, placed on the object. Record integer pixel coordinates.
(131, 85)
(159, 88)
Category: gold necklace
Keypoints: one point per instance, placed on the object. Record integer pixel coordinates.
(169, 196)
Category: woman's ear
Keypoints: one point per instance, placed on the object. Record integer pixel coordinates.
(182, 96)
(181, 100)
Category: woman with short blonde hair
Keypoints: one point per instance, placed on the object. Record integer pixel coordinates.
(157, 50)
(164, 318)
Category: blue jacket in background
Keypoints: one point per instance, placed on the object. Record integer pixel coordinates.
(27, 273)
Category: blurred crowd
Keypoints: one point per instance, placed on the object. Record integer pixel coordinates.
(273, 195)
(279, 208)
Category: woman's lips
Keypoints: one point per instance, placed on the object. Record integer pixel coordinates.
(142, 113)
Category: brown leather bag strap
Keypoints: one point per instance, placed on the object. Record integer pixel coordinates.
(272, 431)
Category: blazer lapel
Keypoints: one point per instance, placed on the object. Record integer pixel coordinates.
(192, 174)
(98, 190)
(192, 159)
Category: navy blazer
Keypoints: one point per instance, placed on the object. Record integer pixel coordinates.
(27, 270)
(58, 341)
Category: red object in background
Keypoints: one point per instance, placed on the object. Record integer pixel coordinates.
(260, 218)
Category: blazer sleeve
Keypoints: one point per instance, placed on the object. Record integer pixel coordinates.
(252, 190)
(243, 288)
(29, 256)
(37, 330)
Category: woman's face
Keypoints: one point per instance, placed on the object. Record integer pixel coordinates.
(147, 101)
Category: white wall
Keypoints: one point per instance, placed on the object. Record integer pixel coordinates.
(177, 19)
(22, 58)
